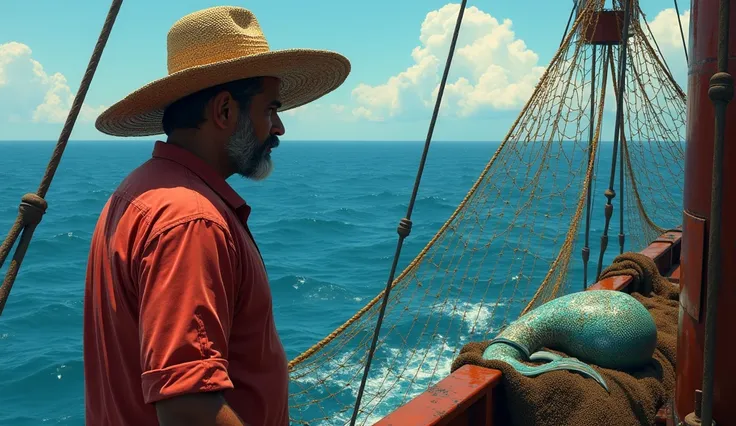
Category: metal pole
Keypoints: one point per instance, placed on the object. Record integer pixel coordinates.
(720, 93)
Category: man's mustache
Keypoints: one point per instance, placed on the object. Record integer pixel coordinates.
(272, 141)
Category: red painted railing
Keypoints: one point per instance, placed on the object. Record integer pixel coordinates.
(465, 397)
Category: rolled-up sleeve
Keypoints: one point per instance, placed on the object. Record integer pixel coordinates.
(187, 279)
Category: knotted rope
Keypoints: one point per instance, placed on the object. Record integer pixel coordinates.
(33, 205)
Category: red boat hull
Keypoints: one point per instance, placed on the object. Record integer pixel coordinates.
(697, 205)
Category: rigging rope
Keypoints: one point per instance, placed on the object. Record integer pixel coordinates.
(622, 170)
(405, 225)
(682, 33)
(661, 59)
(586, 248)
(33, 206)
(610, 193)
(569, 19)
(634, 191)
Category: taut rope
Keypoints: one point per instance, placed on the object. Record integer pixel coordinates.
(33, 206)
(682, 33)
(610, 193)
(569, 20)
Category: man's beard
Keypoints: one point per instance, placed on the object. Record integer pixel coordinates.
(249, 156)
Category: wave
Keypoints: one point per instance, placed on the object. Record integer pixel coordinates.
(303, 287)
(400, 202)
(377, 196)
(41, 369)
(65, 242)
(309, 226)
(434, 202)
(45, 379)
(74, 220)
(37, 310)
(350, 213)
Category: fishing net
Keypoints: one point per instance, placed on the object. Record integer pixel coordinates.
(515, 241)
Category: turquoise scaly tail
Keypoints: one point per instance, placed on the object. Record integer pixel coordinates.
(610, 329)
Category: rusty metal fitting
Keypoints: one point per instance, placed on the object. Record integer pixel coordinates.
(721, 87)
(404, 228)
(32, 208)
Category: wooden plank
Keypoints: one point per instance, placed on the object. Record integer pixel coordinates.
(693, 265)
(661, 254)
(674, 276)
(619, 283)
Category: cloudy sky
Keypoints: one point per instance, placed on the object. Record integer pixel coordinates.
(397, 50)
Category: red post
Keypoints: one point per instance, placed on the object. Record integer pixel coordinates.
(697, 204)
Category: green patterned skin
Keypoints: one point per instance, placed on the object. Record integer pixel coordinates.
(610, 329)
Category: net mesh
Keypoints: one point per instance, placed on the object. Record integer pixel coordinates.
(515, 240)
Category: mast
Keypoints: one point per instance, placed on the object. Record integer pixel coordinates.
(706, 371)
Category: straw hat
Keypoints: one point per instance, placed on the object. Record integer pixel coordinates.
(214, 46)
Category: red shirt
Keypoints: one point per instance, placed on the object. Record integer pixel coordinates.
(177, 299)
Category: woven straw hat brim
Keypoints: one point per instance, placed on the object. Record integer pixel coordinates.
(306, 75)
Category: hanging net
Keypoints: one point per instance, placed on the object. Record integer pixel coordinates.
(515, 241)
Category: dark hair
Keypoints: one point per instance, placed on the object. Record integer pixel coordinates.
(188, 112)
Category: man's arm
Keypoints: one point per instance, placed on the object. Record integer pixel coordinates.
(207, 408)
(188, 280)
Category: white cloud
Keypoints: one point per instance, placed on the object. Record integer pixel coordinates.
(491, 69)
(28, 93)
(666, 30)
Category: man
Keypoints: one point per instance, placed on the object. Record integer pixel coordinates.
(178, 323)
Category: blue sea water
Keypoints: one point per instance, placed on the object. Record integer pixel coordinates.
(325, 222)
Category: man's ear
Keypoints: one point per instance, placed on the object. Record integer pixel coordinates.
(223, 110)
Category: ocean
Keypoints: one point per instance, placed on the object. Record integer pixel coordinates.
(325, 222)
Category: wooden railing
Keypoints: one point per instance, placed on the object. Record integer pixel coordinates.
(665, 251)
(466, 397)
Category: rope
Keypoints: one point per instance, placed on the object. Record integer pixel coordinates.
(662, 62)
(586, 248)
(610, 193)
(33, 206)
(637, 198)
(720, 93)
(634, 190)
(405, 225)
(569, 19)
(622, 171)
(682, 33)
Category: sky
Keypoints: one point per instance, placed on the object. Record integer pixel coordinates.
(397, 51)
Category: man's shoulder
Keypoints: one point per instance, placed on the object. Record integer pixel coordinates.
(166, 194)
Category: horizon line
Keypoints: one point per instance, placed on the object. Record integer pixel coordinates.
(133, 140)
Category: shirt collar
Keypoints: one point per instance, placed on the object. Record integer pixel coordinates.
(206, 173)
